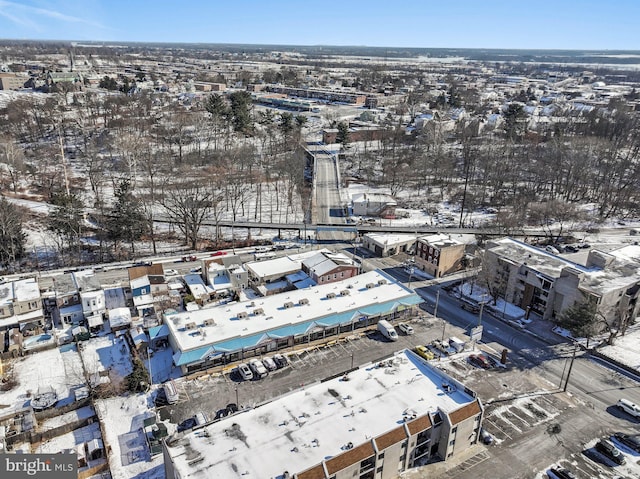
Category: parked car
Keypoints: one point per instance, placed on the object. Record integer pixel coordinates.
(472, 308)
(197, 269)
(444, 350)
(258, 369)
(551, 249)
(518, 323)
(405, 328)
(630, 408)
(560, 473)
(170, 272)
(423, 352)
(607, 449)
(571, 249)
(631, 441)
(485, 437)
(244, 372)
(269, 363)
(280, 360)
(480, 360)
(188, 423)
(218, 253)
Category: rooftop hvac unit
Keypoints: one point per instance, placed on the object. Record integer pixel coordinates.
(258, 311)
(370, 285)
(242, 315)
(288, 305)
(303, 301)
(209, 322)
(345, 292)
(190, 326)
(381, 282)
(331, 295)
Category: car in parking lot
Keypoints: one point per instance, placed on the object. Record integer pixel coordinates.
(405, 328)
(423, 352)
(607, 449)
(480, 361)
(245, 372)
(269, 363)
(560, 473)
(629, 440)
(485, 437)
(258, 369)
(280, 360)
(443, 349)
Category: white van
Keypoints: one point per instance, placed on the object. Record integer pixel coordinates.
(171, 392)
(456, 343)
(387, 330)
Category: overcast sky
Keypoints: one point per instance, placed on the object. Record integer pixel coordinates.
(548, 24)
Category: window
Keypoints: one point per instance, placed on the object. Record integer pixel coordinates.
(452, 442)
(381, 456)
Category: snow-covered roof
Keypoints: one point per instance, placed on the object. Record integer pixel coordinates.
(86, 280)
(119, 317)
(440, 240)
(140, 282)
(374, 198)
(623, 271)
(196, 285)
(237, 324)
(390, 239)
(282, 266)
(114, 298)
(536, 258)
(313, 424)
(26, 290)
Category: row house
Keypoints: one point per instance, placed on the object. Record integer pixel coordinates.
(21, 306)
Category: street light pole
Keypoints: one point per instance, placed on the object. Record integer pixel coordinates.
(150, 373)
(237, 401)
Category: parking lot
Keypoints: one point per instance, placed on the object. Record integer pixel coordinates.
(528, 417)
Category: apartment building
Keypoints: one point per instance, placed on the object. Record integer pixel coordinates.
(547, 284)
(371, 423)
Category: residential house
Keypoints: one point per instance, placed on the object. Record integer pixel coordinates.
(374, 204)
(21, 306)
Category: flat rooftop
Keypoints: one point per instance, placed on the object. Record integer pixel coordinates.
(244, 324)
(316, 423)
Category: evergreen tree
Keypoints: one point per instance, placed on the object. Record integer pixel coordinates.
(343, 133)
(241, 111)
(126, 221)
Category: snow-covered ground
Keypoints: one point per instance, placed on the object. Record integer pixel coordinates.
(122, 418)
(625, 350)
(58, 369)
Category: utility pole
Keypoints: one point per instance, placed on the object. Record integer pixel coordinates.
(573, 357)
(435, 309)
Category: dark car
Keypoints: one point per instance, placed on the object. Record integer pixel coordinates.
(607, 449)
(232, 408)
(280, 360)
(485, 437)
(472, 308)
(189, 423)
(631, 441)
(559, 473)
